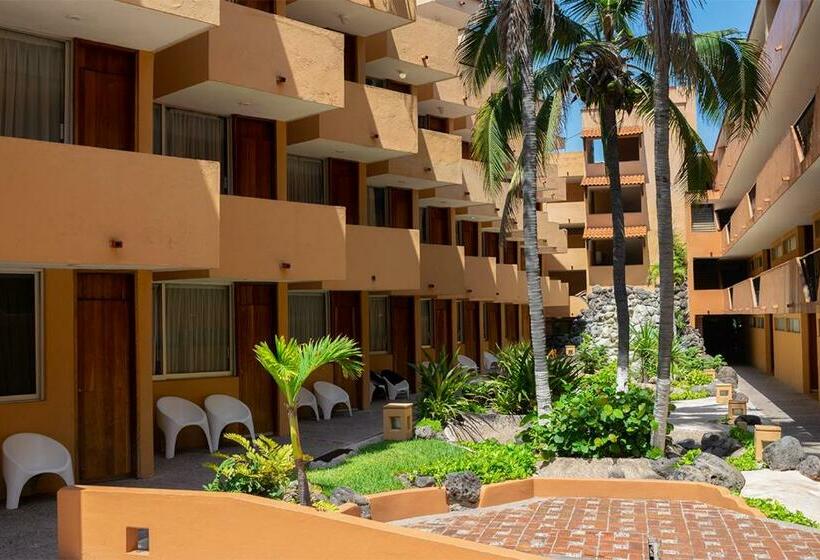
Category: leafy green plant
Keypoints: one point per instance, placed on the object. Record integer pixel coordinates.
(446, 387)
(745, 461)
(596, 421)
(590, 355)
(644, 344)
(489, 460)
(434, 425)
(323, 505)
(693, 377)
(264, 468)
(776, 510)
(654, 453)
(679, 266)
(744, 436)
(687, 394)
(689, 457)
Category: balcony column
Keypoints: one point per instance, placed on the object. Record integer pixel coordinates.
(281, 330)
(145, 102)
(364, 329)
(281, 157)
(144, 366)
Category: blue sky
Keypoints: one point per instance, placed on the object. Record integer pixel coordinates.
(714, 14)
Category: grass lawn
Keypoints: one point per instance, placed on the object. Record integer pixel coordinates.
(374, 467)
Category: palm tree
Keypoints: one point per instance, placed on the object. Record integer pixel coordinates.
(290, 364)
(738, 90)
(511, 55)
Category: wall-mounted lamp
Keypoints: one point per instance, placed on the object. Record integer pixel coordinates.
(374, 136)
(116, 243)
(373, 278)
(431, 286)
(284, 265)
(281, 79)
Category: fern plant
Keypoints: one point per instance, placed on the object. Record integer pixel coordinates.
(446, 386)
(264, 468)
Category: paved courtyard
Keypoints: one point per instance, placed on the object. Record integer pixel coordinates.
(622, 529)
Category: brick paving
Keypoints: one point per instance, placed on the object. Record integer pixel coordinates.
(620, 529)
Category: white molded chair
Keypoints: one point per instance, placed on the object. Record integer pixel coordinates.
(329, 395)
(306, 398)
(26, 455)
(467, 362)
(222, 410)
(396, 385)
(173, 414)
(490, 361)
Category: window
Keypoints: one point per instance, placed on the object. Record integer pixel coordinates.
(780, 324)
(602, 251)
(790, 244)
(351, 59)
(307, 315)
(703, 217)
(379, 324)
(803, 128)
(426, 322)
(306, 180)
(32, 87)
(460, 321)
(786, 324)
(777, 251)
(194, 335)
(756, 322)
(20, 336)
(431, 122)
(378, 206)
(188, 134)
(794, 325)
(595, 151)
(629, 148)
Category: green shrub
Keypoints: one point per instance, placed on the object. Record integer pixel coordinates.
(776, 510)
(445, 389)
(434, 425)
(746, 461)
(264, 469)
(744, 436)
(689, 457)
(654, 453)
(643, 342)
(693, 377)
(591, 356)
(596, 421)
(489, 460)
(687, 394)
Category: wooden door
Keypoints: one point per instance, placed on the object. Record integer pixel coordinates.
(469, 238)
(511, 325)
(401, 208)
(493, 326)
(472, 331)
(104, 96)
(105, 376)
(443, 329)
(490, 244)
(402, 338)
(351, 59)
(811, 323)
(344, 187)
(510, 252)
(439, 225)
(255, 321)
(346, 319)
(254, 157)
(264, 5)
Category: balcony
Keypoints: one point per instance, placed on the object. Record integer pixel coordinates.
(376, 124)
(507, 283)
(636, 275)
(573, 259)
(551, 237)
(437, 163)
(146, 25)
(278, 241)
(463, 126)
(790, 287)
(480, 278)
(551, 189)
(72, 205)
(442, 271)
(455, 13)
(380, 259)
(596, 170)
(419, 53)
(254, 63)
(447, 99)
(354, 17)
(569, 213)
(556, 293)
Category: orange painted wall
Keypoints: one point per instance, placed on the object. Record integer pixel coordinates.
(789, 358)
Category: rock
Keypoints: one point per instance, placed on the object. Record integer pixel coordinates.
(749, 419)
(616, 472)
(784, 454)
(463, 488)
(688, 473)
(688, 444)
(719, 444)
(718, 472)
(710, 388)
(291, 493)
(480, 427)
(740, 397)
(738, 452)
(344, 495)
(404, 480)
(727, 374)
(457, 507)
(424, 482)
(424, 432)
(664, 467)
(569, 467)
(810, 467)
(674, 450)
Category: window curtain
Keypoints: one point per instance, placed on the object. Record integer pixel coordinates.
(306, 180)
(197, 136)
(379, 324)
(157, 293)
(198, 328)
(307, 316)
(18, 336)
(32, 83)
(426, 322)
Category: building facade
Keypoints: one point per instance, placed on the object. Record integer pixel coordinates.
(183, 180)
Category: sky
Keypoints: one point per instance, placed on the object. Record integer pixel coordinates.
(714, 14)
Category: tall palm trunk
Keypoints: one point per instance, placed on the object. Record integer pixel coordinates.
(535, 297)
(662, 27)
(303, 487)
(609, 139)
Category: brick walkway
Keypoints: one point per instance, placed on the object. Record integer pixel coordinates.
(620, 529)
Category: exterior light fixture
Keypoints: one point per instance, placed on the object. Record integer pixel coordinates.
(284, 265)
(373, 278)
(431, 286)
(116, 243)
(374, 136)
(402, 75)
(280, 79)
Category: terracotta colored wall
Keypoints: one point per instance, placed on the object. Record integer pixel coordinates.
(424, 39)
(203, 10)
(789, 359)
(760, 345)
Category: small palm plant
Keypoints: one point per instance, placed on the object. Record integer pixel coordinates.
(290, 364)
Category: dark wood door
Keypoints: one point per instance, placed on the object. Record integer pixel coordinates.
(255, 321)
(402, 338)
(472, 331)
(510, 252)
(511, 325)
(490, 244)
(264, 5)
(104, 96)
(254, 157)
(351, 62)
(443, 321)
(344, 187)
(346, 319)
(439, 225)
(493, 326)
(401, 208)
(469, 237)
(105, 376)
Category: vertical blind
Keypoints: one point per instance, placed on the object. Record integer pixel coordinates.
(32, 84)
(426, 322)
(379, 323)
(307, 315)
(18, 336)
(197, 328)
(306, 180)
(197, 136)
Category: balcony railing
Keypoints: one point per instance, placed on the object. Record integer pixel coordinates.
(790, 287)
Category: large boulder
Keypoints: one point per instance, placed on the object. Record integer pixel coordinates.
(463, 488)
(718, 472)
(424, 432)
(664, 467)
(784, 454)
(424, 482)
(727, 374)
(748, 420)
(480, 427)
(810, 467)
(737, 396)
(719, 444)
(687, 473)
(570, 467)
(345, 495)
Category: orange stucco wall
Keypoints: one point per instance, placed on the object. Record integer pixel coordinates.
(760, 345)
(789, 355)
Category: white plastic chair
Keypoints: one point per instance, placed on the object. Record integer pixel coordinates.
(306, 398)
(173, 414)
(26, 455)
(490, 361)
(329, 395)
(222, 410)
(467, 362)
(396, 385)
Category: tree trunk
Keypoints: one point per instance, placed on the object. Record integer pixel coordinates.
(302, 488)
(531, 257)
(609, 139)
(661, 14)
